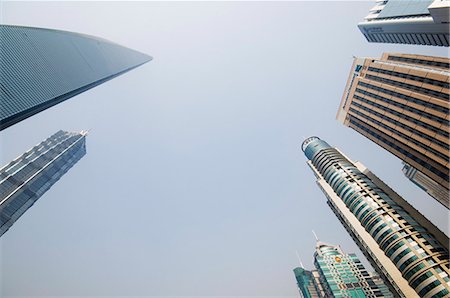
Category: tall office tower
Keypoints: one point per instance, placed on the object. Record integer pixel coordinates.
(24, 180)
(341, 274)
(338, 274)
(431, 187)
(422, 22)
(307, 284)
(406, 250)
(43, 67)
(401, 102)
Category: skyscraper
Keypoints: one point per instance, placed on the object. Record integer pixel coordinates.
(24, 180)
(423, 22)
(431, 187)
(409, 252)
(43, 67)
(400, 102)
(341, 274)
(338, 274)
(307, 284)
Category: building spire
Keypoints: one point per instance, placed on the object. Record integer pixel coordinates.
(315, 236)
(300, 260)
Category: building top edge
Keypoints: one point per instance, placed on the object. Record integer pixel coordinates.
(149, 58)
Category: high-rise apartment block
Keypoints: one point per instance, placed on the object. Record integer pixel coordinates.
(338, 274)
(435, 190)
(409, 253)
(24, 180)
(41, 68)
(401, 102)
(422, 22)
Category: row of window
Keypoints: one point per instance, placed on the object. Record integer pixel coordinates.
(409, 38)
(426, 104)
(445, 65)
(404, 107)
(404, 136)
(410, 77)
(407, 153)
(400, 124)
(407, 86)
(405, 117)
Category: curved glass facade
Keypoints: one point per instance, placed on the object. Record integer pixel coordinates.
(420, 258)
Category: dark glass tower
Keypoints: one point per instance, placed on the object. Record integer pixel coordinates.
(41, 68)
(307, 284)
(24, 180)
(409, 253)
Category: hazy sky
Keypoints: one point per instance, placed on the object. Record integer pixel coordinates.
(194, 182)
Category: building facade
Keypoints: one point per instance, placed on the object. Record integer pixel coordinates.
(380, 284)
(435, 190)
(43, 67)
(307, 285)
(338, 274)
(401, 102)
(24, 180)
(343, 275)
(422, 22)
(409, 253)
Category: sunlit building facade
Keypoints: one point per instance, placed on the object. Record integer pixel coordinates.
(421, 22)
(401, 103)
(42, 67)
(24, 180)
(407, 251)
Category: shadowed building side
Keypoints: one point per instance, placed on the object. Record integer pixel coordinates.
(43, 67)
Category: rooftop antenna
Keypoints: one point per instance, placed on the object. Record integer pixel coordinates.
(315, 236)
(300, 260)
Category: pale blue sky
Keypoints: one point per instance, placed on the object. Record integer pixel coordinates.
(194, 182)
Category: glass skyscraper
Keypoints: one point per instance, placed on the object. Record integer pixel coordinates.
(24, 180)
(409, 252)
(308, 283)
(42, 67)
(423, 22)
(338, 274)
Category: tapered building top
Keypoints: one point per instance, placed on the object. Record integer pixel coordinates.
(43, 67)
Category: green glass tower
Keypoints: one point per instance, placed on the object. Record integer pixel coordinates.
(307, 284)
(343, 275)
(338, 274)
